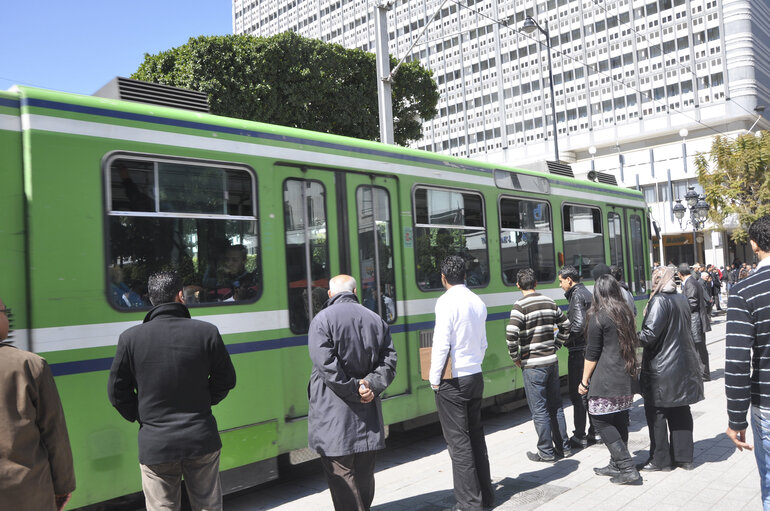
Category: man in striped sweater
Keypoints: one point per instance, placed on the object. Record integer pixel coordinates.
(748, 345)
(532, 346)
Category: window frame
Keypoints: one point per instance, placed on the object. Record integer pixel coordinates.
(563, 231)
(106, 168)
(416, 225)
(500, 198)
(392, 244)
(286, 247)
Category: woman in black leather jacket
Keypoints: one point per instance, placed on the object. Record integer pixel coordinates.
(671, 375)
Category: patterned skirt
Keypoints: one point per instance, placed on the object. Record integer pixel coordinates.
(604, 405)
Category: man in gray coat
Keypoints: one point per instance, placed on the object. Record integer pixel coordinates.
(353, 363)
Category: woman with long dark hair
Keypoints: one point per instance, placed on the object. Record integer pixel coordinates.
(671, 375)
(608, 375)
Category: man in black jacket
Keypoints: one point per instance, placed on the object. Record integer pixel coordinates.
(167, 373)
(580, 300)
(716, 286)
(699, 320)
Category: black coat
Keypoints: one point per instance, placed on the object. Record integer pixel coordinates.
(698, 305)
(580, 299)
(167, 373)
(347, 343)
(671, 370)
(610, 378)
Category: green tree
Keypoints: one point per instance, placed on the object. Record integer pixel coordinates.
(735, 179)
(293, 81)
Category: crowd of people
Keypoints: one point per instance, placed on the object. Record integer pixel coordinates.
(169, 371)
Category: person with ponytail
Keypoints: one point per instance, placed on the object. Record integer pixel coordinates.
(608, 376)
(671, 375)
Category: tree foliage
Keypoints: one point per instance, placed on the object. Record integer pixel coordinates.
(735, 179)
(293, 81)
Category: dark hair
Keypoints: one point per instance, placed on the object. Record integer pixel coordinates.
(163, 287)
(684, 269)
(525, 279)
(569, 272)
(599, 270)
(617, 272)
(609, 300)
(453, 269)
(759, 232)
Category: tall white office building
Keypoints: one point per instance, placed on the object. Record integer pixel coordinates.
(643, 84)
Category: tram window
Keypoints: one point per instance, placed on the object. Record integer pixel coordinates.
(526, 239)
(638, 278)
(375, 252)
(449, 222)
(199, 219)
(616, 239)
(583, 241)
(307, 250)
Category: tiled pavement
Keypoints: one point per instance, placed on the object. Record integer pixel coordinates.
(414, 472)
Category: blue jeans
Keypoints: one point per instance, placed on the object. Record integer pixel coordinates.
(760, 426)
(541, 384)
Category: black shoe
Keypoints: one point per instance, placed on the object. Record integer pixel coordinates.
(652, 467)
(611, 470)
(625, 464)
(579, 442)
(630, 476)
(686, 466)
(567, 453)
(535, 456)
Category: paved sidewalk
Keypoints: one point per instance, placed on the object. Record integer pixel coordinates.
(415, 473)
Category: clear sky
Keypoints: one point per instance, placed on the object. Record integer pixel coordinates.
(78, 46)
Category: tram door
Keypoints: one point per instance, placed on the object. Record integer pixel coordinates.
(373, 220)
(310, 240)
(626, 240)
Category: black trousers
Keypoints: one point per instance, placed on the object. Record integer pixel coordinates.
(612, 426)
(351, 480)
(676, 447)
(575, 363)
(703, 352)
(458, 402)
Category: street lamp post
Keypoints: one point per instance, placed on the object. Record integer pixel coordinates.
(530, 25)
(699, 211)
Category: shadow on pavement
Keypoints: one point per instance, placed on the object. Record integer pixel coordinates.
(713, 450)
(528, 491)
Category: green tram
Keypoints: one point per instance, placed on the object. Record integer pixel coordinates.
(98, 193)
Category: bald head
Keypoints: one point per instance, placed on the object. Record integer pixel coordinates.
(342, 284)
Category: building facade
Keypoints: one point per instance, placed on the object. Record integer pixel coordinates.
(643, 84)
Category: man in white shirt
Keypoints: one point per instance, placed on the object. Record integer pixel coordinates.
(460, 336)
